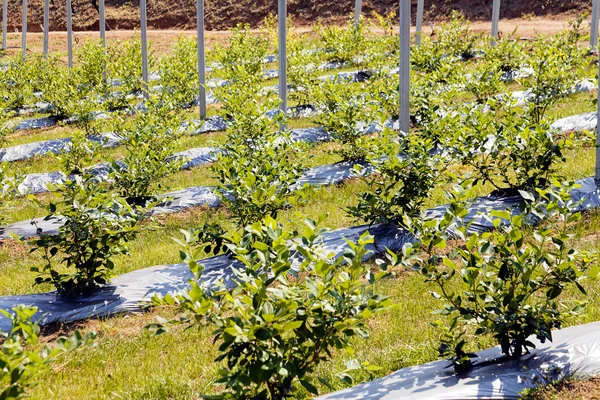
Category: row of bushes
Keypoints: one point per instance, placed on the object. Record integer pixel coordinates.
(293, 303)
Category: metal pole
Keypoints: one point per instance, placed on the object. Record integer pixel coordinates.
(102, 22)
(598, 130)
(46, 25)
(594, 24)
(4, 22)
(495, 19)
(282, 11)
(69, 34)
(24, 30)
(144, 47)
(404, 120)
(201, 59)
(420, 10)
(102, 26)
(357, 11)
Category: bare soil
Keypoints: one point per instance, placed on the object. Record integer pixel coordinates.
(570, 389)
(224, 14)
(163, 40)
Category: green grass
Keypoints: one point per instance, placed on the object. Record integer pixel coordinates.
(129, 363)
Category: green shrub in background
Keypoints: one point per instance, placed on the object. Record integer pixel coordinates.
(242, 60)
(455, 38)
(125, 64)
(406, 171)
(344, 115)
(556, 66)
(179, 72)
(79, 155)
(343, 44)
(259, 166)
(8, 185)
(508, 54)
(150, 140)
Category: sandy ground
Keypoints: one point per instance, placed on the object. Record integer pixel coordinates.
(163, 40)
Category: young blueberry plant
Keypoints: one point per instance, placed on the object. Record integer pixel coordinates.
(556, 65)
(96, 226)
(292, 305)
(345, 115)
(8, 185)
(22, 364)
(179, 72)
(259, 168)
(507, 148)
(343, 44)
(79, 155)
(506, 283)
(125, 64)
(150, 138)
(243, 57)
(406, 170)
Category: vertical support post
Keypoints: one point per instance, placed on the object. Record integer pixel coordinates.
(4, 22)
(357, 11)
(143, 29)
(46, 25)
(102, 22)
(201, 59)
(404, 70)
(597, 133)
(419, 30)
(495, 20)
(594, 24)
(102, 26)
(282, 19)
(69, 34)
(24, 29)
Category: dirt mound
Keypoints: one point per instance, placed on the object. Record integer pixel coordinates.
(223, 14)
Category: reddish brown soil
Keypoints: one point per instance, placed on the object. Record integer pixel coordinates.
(223, 14)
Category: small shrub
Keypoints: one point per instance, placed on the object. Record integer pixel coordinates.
(506, 148)
(406, 172)
(96, 227)
(8, 185)
(385, 93)
(259, 167)
(15, 83)
(455, 37)
(79, 155)
(125, 64)
(6, 125)
(281, 322)
(344, 115)
(484, 81)
(89, 71)
(150, 139)
(508, 54)
(508, 282)
(343, 44)
(21, 364)
(428, 57)
(302, 70)
(555, 67)
(179, 72)
(242, 60)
